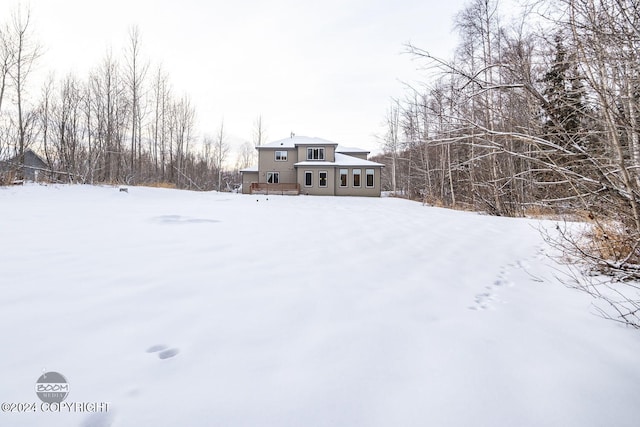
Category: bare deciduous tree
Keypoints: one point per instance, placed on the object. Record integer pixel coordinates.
(259, 132)
(517, 121)
(25, 52)
(247, 156)
(220, 153)
(113, 126)
(6, 60)
(136, 72)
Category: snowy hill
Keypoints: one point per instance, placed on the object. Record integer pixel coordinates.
(206, 309)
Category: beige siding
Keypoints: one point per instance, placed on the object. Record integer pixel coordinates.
(363, 190)
(329, 152)
(267, 163)
(315, 188)
(247, 179)
(289, 174)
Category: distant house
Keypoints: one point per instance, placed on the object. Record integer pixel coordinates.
(32, 169)
(304, 165)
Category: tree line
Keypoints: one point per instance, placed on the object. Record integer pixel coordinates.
(540, 114)
(122, 123)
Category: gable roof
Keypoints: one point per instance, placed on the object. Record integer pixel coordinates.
(31, 160)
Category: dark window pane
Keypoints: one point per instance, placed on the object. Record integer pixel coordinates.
(315, 153)
(323, 179)
(343, 177)
(370, 174)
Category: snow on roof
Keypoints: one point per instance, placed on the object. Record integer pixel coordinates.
(344, 160)
(341, 160)
(343, 149)
(250, 169)
(297, 140)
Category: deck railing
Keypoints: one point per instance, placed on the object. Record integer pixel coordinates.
(280, 188)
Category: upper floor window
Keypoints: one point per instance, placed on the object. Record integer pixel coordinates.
(281, 156)
(315, 153)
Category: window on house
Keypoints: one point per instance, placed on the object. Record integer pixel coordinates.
(315, 153)
(308, 178)
(356, 177)
(273, 177)
(370, 174)
(344, 173)
(322, 178)
(281, 156)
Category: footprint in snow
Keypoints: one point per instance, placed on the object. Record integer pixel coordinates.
(502, 280)
(163, 351)
(523, 265)
(483, 301)
(166, 354)
(541, 254)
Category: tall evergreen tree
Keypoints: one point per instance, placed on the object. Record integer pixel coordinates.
(565, 96)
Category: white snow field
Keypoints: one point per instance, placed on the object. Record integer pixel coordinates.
(178, 308)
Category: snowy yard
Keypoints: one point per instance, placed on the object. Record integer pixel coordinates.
(205, 309)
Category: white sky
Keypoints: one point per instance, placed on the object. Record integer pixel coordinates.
(323, 68)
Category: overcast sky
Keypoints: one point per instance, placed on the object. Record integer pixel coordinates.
(318, 68)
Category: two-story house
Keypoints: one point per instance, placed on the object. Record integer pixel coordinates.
(304, 165)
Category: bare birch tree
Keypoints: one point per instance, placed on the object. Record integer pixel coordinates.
(25, 52)
(392, 141)
(6, 60)
(259, 132)
(247, 156)
(136, 71)
(220, 153)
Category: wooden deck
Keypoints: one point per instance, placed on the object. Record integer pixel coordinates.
(282, 188)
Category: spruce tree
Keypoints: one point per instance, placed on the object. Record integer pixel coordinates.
(565, 96)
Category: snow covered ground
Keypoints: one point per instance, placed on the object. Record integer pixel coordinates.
(205, 309)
